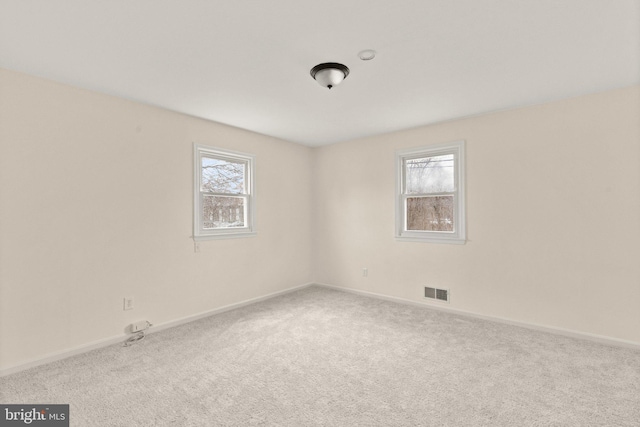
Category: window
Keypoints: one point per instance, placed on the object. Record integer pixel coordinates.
(224, 194)
(430, 198)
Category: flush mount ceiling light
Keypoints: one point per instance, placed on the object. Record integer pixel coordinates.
(329, 74)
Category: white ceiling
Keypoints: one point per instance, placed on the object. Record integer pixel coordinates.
(246, 62)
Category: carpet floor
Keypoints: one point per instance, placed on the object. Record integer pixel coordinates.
(321, 357)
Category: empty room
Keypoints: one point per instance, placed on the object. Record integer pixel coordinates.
(338, 213)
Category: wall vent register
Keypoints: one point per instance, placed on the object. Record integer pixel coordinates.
(436, 294)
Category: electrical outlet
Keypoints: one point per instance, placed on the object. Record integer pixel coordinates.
(128, 303)
(365, 272)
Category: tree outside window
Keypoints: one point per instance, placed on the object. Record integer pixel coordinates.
(224, 194)
(430, 202)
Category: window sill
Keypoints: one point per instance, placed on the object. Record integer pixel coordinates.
(220, 236)
(453, 241)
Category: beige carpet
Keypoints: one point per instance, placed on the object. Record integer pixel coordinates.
(320, 357)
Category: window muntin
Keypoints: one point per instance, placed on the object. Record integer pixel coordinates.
(430, 199)
(224, 194)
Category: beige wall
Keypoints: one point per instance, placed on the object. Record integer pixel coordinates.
(96, 204)
(553, 214)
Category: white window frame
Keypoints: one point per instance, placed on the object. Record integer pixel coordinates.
(458, 236)
(200, 233)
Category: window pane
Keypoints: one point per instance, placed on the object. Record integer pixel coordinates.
(222, 212)
(223, 176)
(430, 175)
(433, 213)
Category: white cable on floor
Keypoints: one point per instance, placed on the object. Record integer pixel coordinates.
(138, 336)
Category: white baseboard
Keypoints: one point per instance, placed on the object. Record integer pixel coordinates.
(63, 354)
(551, 329)
(52, 357)
(59, 355)
(182, 321)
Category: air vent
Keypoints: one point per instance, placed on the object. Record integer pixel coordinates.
(436, 294)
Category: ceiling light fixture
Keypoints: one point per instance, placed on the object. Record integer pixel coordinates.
(329, 74)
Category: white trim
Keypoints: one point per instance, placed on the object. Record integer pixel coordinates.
(601, 339)
(459, 236)
(249, 230)
(430, 240)
(233, 235)
(63, 354)
(228, 307)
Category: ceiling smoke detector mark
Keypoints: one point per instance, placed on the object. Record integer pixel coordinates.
(367, 54)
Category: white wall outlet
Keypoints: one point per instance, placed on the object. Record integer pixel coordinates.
(128, 303)
(365, 272)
